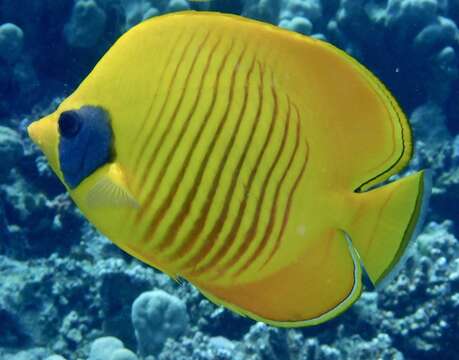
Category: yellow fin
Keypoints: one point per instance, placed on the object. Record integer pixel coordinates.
(111, 190)
(317, 286)
(387, 219)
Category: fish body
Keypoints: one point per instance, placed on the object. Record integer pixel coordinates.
(246, 159)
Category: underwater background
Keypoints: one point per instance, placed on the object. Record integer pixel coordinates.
(66, 292)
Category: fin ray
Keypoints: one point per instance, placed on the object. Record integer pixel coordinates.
(111, 190)
(386, 220)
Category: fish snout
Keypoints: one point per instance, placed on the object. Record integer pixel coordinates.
(44, 133)
(34, 130)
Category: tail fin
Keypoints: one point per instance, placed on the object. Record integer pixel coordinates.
(387, 219)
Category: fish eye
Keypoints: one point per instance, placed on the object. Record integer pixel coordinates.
(69, 124)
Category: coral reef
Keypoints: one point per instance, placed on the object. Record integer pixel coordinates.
(156, 316)
(66, 292)
(10, 151)
(86, 24)
(11, 42)
(110, 348)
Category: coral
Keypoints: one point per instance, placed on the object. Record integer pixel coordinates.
(123, 354)
(420, 120)
(269, 343)
(138, 10)
(437, 150)
(265, 10)
(56, 34)
(412, 316)
(156, 316)
(221, 347)
(214, 321)
(11, 151)
(52, 218)
(401, 14)
(55, 357)
(298, 24)
(306, 9)
(177, 5)
(86, 24)
(94, 23)
(438, 41)
(119, 287)
(31, 354)
(422, 298)
(201, 347)
(67, 300)
(15, 70)
(12, 332)
(110, 348)
(11, 42)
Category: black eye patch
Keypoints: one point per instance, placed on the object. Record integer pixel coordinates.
(69, 124)
(85, 143)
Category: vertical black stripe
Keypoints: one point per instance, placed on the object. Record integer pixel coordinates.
(193, 236)
(149, 137)
(160, 213)
(181, 216)
(252, 231)
(292, 190)
(262, 244)
(163, 169)
(213, 235)
(231, 237)
(158, 86)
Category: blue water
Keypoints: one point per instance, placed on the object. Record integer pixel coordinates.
(67, 293)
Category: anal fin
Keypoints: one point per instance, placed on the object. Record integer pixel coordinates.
(318, 286)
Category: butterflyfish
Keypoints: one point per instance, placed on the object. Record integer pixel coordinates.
(247, 159)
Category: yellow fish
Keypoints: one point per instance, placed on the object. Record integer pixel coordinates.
(244, 158)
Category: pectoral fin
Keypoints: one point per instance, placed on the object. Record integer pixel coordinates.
(111, 190)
